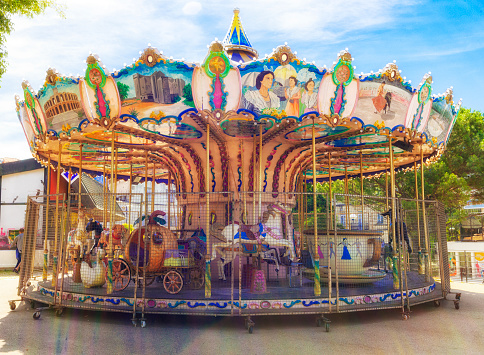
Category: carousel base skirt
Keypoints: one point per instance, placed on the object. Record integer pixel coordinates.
(227, 299)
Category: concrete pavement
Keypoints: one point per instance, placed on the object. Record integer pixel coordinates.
(430, 330)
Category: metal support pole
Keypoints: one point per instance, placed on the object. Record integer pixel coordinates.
(361, 190)
(396, 261)
(317, 277)
(46, 250)
(330, 199)
(426, 235)
(109, 276)
(56, 235)
(420, 259)
(208, 272)
(347, 201)
(260, 170)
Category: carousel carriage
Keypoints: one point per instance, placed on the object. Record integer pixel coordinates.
(153, 251)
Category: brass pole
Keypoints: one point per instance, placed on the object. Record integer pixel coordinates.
(104, 194)
(328, 228)
(347, 200)
(80, 178)
(208, 271)
(424, 213)
(260, 170)
(169, 198)
(129, 196)
(46, 251)
(421, 267)
(153, 186)
(361, 190)
(244, 191)
(56, 235)
(299, 209)
(396, 275)
(109, 281)
(317, 278)
(330, 225)
(254, 157)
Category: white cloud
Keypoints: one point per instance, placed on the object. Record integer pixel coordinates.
(117, 30)
(192, 8)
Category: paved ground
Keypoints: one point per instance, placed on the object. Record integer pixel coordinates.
(430, 330)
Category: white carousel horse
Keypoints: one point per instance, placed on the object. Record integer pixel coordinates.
(268, 232)
(77, 237)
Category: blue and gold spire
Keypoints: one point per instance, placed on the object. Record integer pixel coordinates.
(236, 43)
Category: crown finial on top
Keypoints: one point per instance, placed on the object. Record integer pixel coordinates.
(236, 42)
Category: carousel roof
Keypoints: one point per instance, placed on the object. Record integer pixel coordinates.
(262, 114)
(236, 42)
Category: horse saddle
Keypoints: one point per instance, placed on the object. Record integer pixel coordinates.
(243, 228)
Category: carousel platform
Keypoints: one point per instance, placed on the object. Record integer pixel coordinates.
(227, 299)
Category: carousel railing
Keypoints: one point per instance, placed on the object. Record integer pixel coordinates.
(232, 250)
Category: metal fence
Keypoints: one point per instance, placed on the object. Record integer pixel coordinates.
(258, 253)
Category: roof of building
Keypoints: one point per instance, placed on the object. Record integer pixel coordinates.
(19, 166)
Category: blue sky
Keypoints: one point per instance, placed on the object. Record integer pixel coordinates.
(445, 38)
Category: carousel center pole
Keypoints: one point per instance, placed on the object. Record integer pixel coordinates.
(208, 272)
(426, 235)
(54, 266)
(46, 251)
(317, 278)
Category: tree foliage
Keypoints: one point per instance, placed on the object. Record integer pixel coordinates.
(455, 179)
(9, 8)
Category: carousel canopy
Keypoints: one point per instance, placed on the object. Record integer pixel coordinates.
(261, 115)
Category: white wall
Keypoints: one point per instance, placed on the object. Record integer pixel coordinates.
(465, 246)
(22, 185)
(8, 259)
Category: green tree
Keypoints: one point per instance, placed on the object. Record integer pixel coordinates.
(123, 90)
(464, 154)
(9, 8)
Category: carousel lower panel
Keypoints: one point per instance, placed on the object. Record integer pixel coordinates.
(278, 298)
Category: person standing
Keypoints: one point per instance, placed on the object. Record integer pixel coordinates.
(18, 244)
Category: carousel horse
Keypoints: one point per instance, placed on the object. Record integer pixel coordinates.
(77, 237)
(268, 233)
(120, 233)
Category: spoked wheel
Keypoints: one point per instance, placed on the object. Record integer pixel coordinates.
(121, 274)
(197, 278)
(173, 282)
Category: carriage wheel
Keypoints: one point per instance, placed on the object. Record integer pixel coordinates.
(173, 282)
(121, 274)
(197, 278)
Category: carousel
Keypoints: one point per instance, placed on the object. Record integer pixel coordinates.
(195, 188)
